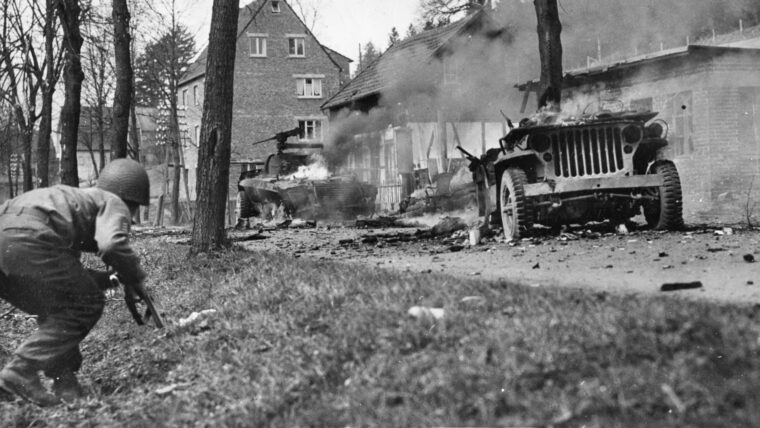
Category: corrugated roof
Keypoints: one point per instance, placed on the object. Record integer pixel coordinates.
(383, 72)
(738, 36)
(647, 58)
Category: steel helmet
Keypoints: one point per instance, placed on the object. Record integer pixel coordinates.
(126, 178)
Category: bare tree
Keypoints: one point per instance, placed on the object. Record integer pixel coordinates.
(159, 70)
(216, 131)
(99, 83)
(308, 14)
(26, 72)
(53, 62)
(124, 77)
(69, 14)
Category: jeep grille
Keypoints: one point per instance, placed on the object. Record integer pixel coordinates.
(587, 151)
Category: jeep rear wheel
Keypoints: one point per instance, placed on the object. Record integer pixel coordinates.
(516, 218)
(665, 210)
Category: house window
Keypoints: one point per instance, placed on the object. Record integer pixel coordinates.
(450, 71)
(309, 86)
(642, 104)
(195, 95)
(275, 6)
(257, 45)
(197, 134)
(184, 97)
(312, 129)
(296, 46)
(681, 123)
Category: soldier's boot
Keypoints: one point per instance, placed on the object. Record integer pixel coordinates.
(67, 387)
(20, 378)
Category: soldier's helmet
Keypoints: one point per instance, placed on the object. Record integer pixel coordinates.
(127, 179)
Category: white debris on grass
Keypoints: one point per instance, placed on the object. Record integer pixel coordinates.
(195, 317)
(426, 312)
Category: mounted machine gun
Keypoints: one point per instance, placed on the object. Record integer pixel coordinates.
(283, 163)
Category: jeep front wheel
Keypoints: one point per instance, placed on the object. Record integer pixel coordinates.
(665, 209)
(516, 216)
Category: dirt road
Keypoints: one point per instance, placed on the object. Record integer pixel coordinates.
(601, 259)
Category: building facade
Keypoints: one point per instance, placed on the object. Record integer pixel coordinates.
(398, 122)
(283, 74)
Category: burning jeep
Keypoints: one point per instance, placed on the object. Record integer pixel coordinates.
(607, 166)
(289, 179)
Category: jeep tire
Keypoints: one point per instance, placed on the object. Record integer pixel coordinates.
(665, 212)
(516, 216)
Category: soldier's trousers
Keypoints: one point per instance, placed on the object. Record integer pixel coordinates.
(44, 277)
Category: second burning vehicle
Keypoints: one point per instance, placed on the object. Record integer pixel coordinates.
(286, 180)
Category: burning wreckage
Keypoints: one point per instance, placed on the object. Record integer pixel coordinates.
(287, 182)
(554, 171)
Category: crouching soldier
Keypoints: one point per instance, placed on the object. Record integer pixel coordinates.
(42, 233)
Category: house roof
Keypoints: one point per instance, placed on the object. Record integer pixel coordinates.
(248, 13)
(383, 72)
(334, 53)
(641, 60)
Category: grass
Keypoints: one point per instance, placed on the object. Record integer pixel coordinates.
(306, 343)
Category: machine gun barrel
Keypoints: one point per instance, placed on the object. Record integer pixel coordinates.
(282, 137)
(468, 155)
(303, 146)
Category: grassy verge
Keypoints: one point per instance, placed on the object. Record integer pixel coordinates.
(300, 343)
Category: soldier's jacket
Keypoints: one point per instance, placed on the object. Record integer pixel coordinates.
(89, 220)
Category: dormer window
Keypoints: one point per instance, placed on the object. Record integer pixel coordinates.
(275, 6)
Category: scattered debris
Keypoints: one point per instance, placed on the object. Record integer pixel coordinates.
(663, 254)
(673, 398)
(196, 318)
(165, 390)
(420, 312)
(447, 226)
(252, 237)
(537, 266)
(474, 236)
(675, 286)
(381, 222)
(473, 299)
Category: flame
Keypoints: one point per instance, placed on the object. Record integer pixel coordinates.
(317, 170)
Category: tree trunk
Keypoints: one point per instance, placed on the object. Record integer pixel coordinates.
(68, 11)
(216, 133)
(175, 148)
(46, 117)
(101, 139)
(123, 65)
(550, 51)
(134, 138)
(28, 134)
